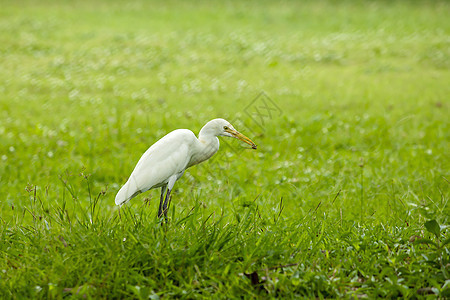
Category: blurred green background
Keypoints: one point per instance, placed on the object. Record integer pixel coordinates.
(91, 85)
(347, 101)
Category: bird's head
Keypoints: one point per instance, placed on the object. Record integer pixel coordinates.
(222, 127)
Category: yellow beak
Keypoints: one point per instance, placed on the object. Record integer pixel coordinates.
(241, 137)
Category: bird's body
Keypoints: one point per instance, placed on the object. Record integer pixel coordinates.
(177, 151)
(166, 160)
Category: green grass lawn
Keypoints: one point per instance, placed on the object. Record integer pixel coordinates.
(346, 196)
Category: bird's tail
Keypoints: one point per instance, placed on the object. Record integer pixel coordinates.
(128, 191)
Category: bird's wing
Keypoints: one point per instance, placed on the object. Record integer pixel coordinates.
(168, 156)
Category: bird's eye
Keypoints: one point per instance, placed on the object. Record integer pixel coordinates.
(225, 127)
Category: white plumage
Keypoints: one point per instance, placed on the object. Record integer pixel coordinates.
(166, 160)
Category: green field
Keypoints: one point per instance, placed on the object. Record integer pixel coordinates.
(347, 195)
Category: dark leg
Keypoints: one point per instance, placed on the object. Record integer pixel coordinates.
(169, 186)
(161, 199)
(165, 204)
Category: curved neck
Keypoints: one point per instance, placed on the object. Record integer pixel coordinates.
(209, 143)
(206, 133)
(207, 146)
(208, 139)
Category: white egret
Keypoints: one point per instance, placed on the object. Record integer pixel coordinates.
(167, 159)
